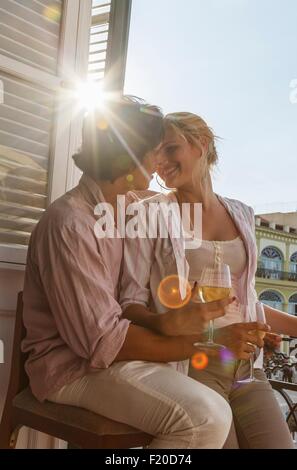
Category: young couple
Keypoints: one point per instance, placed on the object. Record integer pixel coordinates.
(97, 333)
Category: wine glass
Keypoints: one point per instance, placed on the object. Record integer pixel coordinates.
(214, 284)
(261, 334)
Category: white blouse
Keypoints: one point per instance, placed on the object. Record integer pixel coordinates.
(231, 252)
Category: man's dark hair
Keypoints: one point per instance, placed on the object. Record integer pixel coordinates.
(118, 136)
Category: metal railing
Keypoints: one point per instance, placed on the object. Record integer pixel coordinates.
(279, 369)
(275, 274)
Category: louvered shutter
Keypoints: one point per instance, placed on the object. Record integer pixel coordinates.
(29, 35)
(98, 39)
(109, 42)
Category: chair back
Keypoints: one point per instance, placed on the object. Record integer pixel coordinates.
(18, 377)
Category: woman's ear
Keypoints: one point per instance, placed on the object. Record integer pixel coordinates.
(204, 142)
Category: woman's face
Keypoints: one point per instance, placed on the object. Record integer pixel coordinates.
(176, 160)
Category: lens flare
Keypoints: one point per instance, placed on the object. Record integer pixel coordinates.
(227, 360)
(199, 361)
(52, 13)
(90, 95)
(130, 178)
(226, 355)
(102, 124)
(169, 292)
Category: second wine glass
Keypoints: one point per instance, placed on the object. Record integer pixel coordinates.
(260, 313)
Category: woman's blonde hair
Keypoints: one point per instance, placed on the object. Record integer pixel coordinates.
(192, 128)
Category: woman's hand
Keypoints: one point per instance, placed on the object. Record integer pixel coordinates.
(242, 338)
(272, 343)
(192, 319)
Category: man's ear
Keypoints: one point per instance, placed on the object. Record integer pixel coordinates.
(151, 158)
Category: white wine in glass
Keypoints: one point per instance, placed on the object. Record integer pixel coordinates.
(214, 284)
(210, 294)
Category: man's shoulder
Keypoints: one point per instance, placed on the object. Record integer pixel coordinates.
(65, 213)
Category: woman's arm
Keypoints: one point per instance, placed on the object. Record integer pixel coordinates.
(281, 322)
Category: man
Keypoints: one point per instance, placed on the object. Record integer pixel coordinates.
(82, 352)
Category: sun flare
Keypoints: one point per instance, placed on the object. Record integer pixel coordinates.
(90, 95)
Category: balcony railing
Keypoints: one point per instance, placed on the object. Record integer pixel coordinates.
(281, 371)
(274, 274)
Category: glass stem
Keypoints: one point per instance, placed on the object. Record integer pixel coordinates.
(252, 377)
(210, 332)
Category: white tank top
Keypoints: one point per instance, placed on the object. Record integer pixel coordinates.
(229, 252)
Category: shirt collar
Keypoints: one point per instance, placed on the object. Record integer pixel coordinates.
(91, 189)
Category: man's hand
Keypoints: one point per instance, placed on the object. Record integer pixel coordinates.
(242, 338)
(192, 319)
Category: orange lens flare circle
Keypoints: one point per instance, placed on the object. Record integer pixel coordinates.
(199, 361)
(102, 124)
(169, 292)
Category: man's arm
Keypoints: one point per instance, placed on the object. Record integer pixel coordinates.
(144, 345)
(191, 319)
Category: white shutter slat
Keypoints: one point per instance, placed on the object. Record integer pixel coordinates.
(26, 54)
(24, 130)
(26, 198)
(41, 9)
(39, 13)
(25, 19)
(28, 107)
(19, 143)
(98, 39)
(17, 223)
(41, 19)
(9, 112)
(97, 66)
(18, 210)
(19, 181)
(14, 237)
(97, 57)
(19, 36)
(29, 159)
(26, 90)
(11, 160)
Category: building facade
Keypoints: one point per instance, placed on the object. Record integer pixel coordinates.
(276, 279)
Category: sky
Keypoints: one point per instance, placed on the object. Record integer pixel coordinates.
(232, 62)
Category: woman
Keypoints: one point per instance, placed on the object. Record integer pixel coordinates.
(185, 160)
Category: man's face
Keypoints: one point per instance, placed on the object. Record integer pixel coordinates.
(141, 175)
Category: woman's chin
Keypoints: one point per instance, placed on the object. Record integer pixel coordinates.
(173, 182)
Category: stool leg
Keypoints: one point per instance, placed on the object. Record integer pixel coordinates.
(14, 437)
